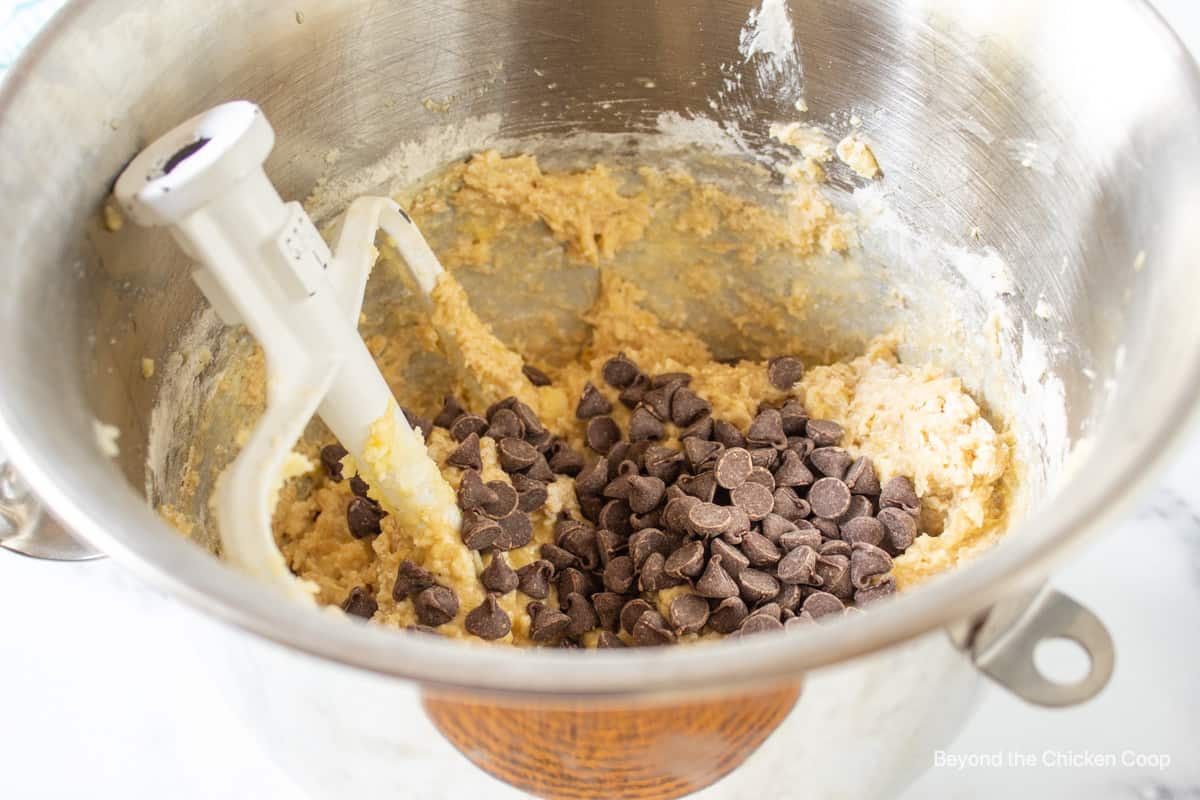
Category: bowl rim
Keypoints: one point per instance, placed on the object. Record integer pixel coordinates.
(119, 522)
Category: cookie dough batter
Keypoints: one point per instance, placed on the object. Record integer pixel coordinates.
(911, 420)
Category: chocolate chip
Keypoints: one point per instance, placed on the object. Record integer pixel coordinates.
(593, 478)
(820, 604)
(900, 528)
(688, 613)
(473, 494)
(417, 423)
(687, 561)
(791, 470)
(798, 566)
(436, 605)
(789, 597)
(617, 456)
(863, 529)
(545, 623)
(834, 572)
(767, 429)
(515, 531)
(728, 435)
(756, 585)
(753, 498)
(788, 504)
(498, 576)
(619, 372)
(829, 498)
(488, 621)
(583, 617)
(607, 640)
(866, 562)
(572, 581)
(331, 459)
(687, 407)
(795, 418)
(700, 429)
(770, 609)
(411, 578)
(451, 411)
(466, 455)
(899, 493)
(580, 541)
(765, 457)
(675, 513)
(663, 463)
(535, 375)
(761, 551)
(479, 532)
(360, 603)
(632, 611)
(592, 403)
(716, 582)
(363, 518)
(728, 616)
(534, 579)
(563, 459)
(615, 517)
(505, 425)
(608, 609)
(830, 461)
(505, 503)
(644, 426)
(733, 467)
(467, 424)
(507, 402)
(784, 372)
(609, 545)
(703, 486)
(533, 425)
(647, 541)
(775, 526)
(759, 623)
(827, 527)
(824, 432)
(835, 547)
(708, 519)
(861, 477)
(739, 525)
(532, 498)
(602, 433)
(763, 477)
(800, 537)
(560, 558)
(877, 591)
(651, 630)
(359, 487)
(516, 454)
(645, 494)
(619, 575)
(653, 576)
(635, 392)
(701, 453)
(733, 560)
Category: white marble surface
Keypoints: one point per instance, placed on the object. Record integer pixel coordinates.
(104, 693)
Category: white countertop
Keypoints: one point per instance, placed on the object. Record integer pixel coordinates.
(104, 695)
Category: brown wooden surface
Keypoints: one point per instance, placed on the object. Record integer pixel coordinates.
(648, 752)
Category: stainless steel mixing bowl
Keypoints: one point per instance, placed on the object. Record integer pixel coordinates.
(1068, 132)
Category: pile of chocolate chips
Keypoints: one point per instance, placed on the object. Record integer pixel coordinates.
(768, 527)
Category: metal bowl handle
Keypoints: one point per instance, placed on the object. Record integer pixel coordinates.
(1003, 648)
(27, 528)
